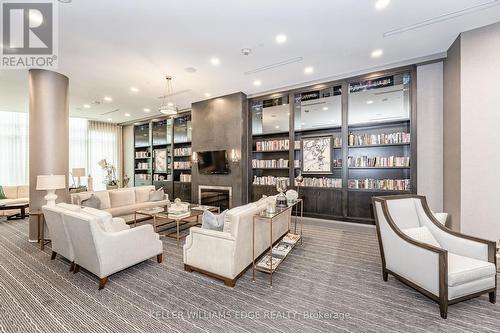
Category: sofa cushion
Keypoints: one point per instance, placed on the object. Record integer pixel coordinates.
(464, 269)
(14, 201)
(130, 209)
(233, 213)
(123, 197)
(93, 202)
(10, 192)
(213, 221)
(23, 191)
(422, 234)
(142, 193)
(105, 199)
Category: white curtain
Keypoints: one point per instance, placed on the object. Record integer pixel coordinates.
(13, 148)
(104, 142)
(78, 147)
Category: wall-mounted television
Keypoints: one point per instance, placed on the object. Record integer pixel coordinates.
(212, 162)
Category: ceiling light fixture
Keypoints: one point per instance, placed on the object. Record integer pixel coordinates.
(108, 99)
(325, 108)
(369, 102)
(215, 61)
(168, 108)
(280, 39)
(309, 70)
(109, 119)
(147, 110)
(134, 89)
(208, 94)
(127, 114)
(257, 83)
(377, 53)
(87, 106)
(381, 4)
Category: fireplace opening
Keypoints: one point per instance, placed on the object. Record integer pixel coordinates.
(219, 196)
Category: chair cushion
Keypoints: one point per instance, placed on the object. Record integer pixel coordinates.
(464, 269)
(121, 198)
(421, 234)
(104, 197)
(10, 192)
(23, 191)
(404, 213)
(74, 208)
(213, 221)
(105, 220)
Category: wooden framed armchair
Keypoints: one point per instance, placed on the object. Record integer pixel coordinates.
(447, 266)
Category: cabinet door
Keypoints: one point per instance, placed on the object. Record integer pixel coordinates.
(329, 202)
(309, 195)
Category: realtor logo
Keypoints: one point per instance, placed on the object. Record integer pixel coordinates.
(29, 34)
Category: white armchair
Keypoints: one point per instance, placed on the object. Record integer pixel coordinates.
(417, 249)
(105, 253)
(60, 241)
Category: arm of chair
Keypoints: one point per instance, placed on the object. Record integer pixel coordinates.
(211, 251)
(456, 242)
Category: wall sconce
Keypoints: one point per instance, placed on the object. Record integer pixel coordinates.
(194, 157)
(234, 156)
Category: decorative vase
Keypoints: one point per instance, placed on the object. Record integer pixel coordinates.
(281, 197)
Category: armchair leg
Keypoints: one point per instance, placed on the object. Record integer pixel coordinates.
(53, 256)
(159, 258)
(188, 268)
(102, 283)
(493, 297)
(76, 269)
(72, 267)
(385, 275)
(443, 308)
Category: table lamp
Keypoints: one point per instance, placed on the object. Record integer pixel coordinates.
(78, 172)
(50, 183)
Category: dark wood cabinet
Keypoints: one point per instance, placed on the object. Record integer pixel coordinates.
(182, 190)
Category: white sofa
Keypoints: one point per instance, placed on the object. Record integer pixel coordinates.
(122, 202)
(227, 254)
(416, 248)
(103, 245)
(15, 195)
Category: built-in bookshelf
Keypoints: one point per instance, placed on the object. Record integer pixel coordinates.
(361, 128)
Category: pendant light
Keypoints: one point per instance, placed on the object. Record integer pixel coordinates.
(168, 108)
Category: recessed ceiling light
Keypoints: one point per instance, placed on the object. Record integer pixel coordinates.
(309, 70)
(280, 39)
(381, 4)
(134, 89)
(369, 102)
(109, 119)
(325, 108)
(277, 126)
(87, 106)
(257, 83)
(208, 94)
(127, 114)
(136, 123)
(215, 61)
(377, 53)
(108, 99)
(147, 110)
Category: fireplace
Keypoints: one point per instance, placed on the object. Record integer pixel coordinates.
(219, 196)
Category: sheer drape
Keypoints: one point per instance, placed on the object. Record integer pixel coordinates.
(104, 142)
(13, 148)
(78, 150)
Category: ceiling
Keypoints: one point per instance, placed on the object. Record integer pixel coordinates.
(106, 47)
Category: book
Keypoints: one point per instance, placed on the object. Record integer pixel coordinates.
(291, 238)
(282, 249)
(267, 260)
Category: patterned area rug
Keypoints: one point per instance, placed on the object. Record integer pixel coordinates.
(332, 283)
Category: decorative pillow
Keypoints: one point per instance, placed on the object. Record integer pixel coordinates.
(93, 202)
(2, 195)
(422, 234)
(212, 221)
(157, 195)
(81, 196)
(104, 196)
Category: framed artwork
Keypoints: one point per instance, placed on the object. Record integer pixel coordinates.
(317, 155)
(161, 160)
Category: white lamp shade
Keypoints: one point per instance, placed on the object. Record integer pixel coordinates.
(78, 172)
(50, 182)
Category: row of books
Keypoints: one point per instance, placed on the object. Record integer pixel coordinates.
(142, 154)
(185, 177)
(270, 145)
(337, 142)
(182, 165)
(164, 177)
(280, 163)
(269, 180)
(142, 165)
(337, 163)
(380, 184)
(378, 139)
(185, 151)
(377, 161)
(320, 182)
(142, 176)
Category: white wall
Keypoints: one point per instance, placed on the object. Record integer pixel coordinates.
(430, 134)
(480, 132)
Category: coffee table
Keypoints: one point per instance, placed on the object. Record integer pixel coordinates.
(170, 225)
(22, 210)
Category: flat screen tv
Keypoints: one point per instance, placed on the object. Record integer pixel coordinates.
(212, 162)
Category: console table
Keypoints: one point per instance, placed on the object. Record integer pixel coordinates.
(269, 219)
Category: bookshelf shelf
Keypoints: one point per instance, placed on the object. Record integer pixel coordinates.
(381, 145)
(376, 168)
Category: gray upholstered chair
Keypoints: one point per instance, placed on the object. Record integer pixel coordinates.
(444, 265)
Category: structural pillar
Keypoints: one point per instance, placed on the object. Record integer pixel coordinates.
(48, 135)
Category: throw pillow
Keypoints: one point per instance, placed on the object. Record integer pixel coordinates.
(2, 195)
(212, 221)
(157, 195)
(92, 202)
(422, 234)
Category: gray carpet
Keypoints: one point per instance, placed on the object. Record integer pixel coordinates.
(332, 283)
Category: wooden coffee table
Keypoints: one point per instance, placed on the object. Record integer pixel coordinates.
(22, 210)
(171, 226)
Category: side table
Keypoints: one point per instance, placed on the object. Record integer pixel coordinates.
(41, 228)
